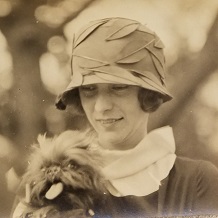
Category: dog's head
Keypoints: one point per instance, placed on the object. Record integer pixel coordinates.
(63, 172)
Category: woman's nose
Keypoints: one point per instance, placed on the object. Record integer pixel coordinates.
(103, 103)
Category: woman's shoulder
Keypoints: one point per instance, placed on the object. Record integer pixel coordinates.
(200, 172)
(187, 165)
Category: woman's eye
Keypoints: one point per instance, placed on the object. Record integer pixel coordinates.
(120, 87)
(88, 91)
(88, 88)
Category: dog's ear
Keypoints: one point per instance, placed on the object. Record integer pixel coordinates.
(42, 140)
(42, 149)
(45, 143)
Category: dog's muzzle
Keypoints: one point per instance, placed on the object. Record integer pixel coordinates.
(53, 173)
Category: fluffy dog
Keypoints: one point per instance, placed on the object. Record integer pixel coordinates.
(63, 178)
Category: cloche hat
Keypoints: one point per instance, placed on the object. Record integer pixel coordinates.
(117, 50)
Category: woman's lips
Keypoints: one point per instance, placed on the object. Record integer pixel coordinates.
(109, 121)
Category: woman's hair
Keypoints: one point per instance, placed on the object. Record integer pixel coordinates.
(72, 98)
(149, 100)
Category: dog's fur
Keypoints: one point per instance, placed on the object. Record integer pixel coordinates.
(66, 159)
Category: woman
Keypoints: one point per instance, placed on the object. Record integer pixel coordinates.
(117, 81)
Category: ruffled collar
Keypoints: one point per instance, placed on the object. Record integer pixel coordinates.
(139, 171)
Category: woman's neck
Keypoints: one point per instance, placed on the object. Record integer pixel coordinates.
(127, 143)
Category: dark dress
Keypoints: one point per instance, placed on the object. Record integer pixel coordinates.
(190, 189)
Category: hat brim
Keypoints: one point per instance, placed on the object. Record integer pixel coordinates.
(104, 78)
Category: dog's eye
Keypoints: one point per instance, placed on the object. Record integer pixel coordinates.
(73, 166)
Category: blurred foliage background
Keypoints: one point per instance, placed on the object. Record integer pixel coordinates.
(35, 46)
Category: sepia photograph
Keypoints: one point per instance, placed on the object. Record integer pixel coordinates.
(108, 108)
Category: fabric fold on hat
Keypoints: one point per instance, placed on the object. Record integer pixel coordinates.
(139, 171)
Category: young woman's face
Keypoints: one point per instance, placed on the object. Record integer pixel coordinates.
(115, 113)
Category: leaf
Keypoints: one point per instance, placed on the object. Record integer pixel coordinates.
(151, 80)
(158, 43)
(77, 77)
(133, 52)
(148, 74)
(133, 58)
(87, 30)
(120, 28)
(158, 66)
(145, 29)
(157, 52)
(73, 42)
(89, 63)
(89, 57)
(156, 86)
(123, 32)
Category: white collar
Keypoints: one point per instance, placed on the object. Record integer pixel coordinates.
(139, 171)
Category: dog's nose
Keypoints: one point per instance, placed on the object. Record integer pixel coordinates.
(53, 172)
